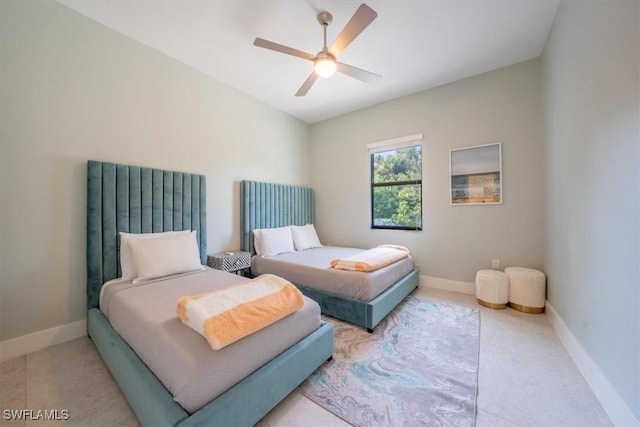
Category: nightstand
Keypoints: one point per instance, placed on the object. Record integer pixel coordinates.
(238, 262)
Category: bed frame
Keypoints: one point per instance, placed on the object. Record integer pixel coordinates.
(142, 200)
(267, 205)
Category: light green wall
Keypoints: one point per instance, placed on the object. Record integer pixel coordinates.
(456, 241)
(73, 90)
(591, 85)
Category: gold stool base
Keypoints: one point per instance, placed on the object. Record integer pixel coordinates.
(492, 305)
(525, 309)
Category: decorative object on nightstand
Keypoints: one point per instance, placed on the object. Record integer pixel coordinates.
(238, 262)
(492, 288)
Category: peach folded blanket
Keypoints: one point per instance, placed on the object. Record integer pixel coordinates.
(372, 259)
(227, 315)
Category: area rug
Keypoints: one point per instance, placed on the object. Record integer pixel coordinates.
(419, 367)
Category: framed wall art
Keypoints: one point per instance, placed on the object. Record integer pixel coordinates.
(476, 175)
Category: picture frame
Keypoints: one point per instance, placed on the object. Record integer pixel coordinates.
(475, 175)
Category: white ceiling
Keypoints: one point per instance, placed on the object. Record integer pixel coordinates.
(414, 45)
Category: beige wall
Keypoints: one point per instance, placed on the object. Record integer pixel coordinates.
(592, 153)
(456, 241)
(74, 90)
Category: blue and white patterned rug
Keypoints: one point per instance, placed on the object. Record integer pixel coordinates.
(419, 367)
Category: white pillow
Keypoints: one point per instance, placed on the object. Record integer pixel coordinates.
(165, 256)
(305, 237)
(274, 241)
(127, 265)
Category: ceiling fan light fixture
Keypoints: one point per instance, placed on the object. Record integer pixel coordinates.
(325, 67)
(325, 63)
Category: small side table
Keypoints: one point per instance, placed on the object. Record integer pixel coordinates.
(238, 262)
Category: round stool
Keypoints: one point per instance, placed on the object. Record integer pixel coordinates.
(492, 288)
(526, 289)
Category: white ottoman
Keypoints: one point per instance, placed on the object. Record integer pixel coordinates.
(492, 288)
(526, 289)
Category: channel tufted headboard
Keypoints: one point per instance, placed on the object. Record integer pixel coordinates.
(268, 205)
(134, 199)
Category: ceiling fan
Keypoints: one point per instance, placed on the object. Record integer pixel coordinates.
(325, 62)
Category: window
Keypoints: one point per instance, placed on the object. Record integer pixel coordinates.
(396, 183)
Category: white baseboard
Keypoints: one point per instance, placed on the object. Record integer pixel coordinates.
(25, 344)
(448, 285)
(609, 398)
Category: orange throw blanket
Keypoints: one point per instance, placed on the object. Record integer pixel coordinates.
(230, 314)
(373, 259)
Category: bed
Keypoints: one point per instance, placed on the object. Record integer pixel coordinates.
(268, 205)
(131, 199)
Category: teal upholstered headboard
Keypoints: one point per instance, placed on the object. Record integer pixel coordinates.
(137, 200)
(267, 205)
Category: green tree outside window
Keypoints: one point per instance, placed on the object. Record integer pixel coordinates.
(396, 188)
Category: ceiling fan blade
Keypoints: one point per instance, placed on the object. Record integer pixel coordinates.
(359, 21)
(283, 49)
(357, 73)
(307, 84)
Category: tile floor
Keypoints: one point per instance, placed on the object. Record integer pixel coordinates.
(526, 378)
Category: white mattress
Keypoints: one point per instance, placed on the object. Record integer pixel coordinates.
(311, 268)
(145, 316)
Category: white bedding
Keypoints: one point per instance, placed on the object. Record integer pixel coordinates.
(311, 268)
(145, 316)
